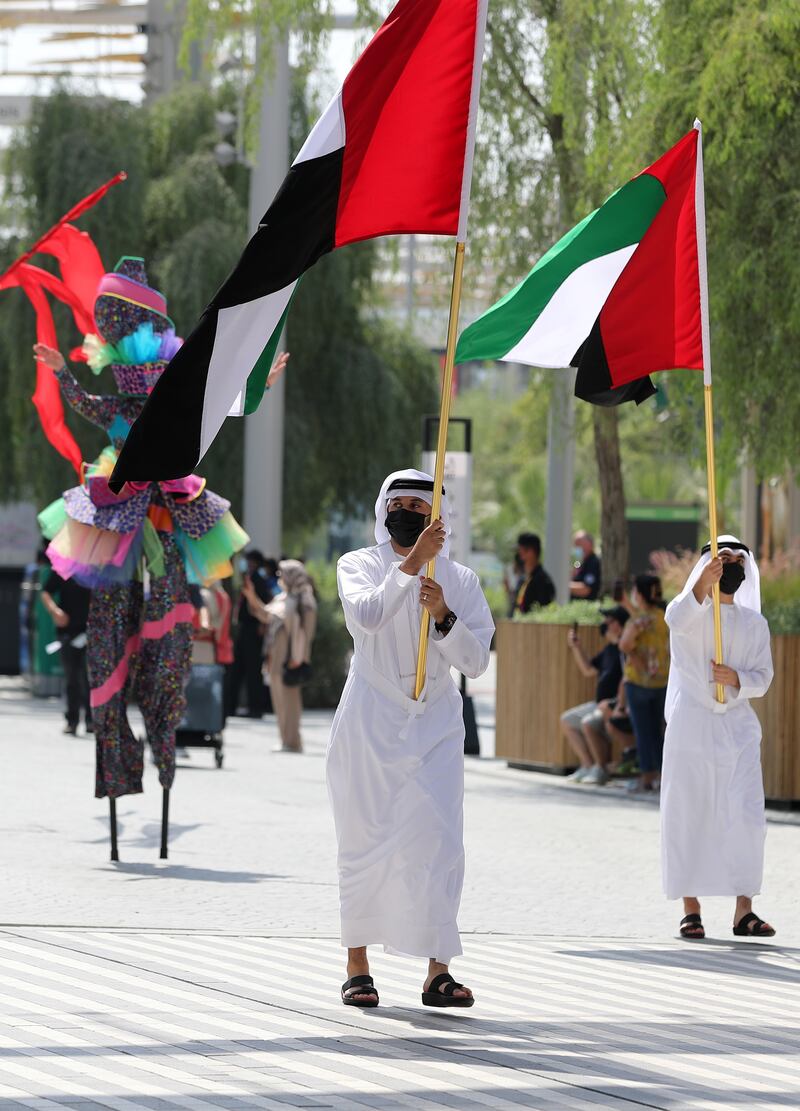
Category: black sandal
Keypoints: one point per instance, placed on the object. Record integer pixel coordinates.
(433, 997)
(359, 985)
(759, 927)
(692, 928)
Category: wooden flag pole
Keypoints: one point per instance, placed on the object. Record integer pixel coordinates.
(702, 267)
(712, 524)
(441, 447)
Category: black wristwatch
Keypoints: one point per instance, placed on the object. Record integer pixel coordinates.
(445, 626)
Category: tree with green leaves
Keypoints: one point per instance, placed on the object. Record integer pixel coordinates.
(562, 80)
(736, 65)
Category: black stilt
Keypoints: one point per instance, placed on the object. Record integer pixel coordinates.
(112, 809)
(164, 824)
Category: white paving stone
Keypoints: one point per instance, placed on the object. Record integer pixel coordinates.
(210, 981)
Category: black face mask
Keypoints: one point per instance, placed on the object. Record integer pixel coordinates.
(405, 527)
(732, 578)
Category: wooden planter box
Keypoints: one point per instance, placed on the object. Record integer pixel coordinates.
(537, 680)
(779, 713)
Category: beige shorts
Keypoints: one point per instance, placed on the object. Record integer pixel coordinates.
(588, 713)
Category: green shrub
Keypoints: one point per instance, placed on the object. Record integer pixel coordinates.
(582, 611)
(332, 644)
(497, 598)
(783, 616)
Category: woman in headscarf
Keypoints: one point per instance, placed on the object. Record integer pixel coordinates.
(395, 764)
(712, 794)
(290, 620)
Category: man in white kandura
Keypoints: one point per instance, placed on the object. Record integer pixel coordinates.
(712, 793)
(395, 765)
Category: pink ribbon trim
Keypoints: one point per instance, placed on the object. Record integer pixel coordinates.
(184, 489)
(180, 614)
(119, 285)
(150, 630)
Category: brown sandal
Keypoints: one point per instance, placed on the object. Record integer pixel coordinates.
(359, 985)
(750, 925)
(433, 997)
(692, 928)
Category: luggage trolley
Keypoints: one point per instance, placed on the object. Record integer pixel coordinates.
(203, 720)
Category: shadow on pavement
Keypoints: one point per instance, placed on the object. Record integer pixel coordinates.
(184, 872)
(744, 958)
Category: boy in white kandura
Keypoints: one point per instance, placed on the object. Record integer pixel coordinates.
(712, 794)
(395, 765)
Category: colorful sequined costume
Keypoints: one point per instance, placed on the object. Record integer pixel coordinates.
(138, 550)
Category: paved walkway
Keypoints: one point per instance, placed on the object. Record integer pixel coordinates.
(197, 1021)
(210, 981)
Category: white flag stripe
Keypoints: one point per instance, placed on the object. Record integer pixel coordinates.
(702, 260)
(327, 134)
(472, 120)
(567, 318)
(242, 333)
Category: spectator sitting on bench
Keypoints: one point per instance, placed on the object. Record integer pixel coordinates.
(584, 725)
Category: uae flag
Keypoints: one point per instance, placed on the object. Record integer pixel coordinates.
(391, 153)
(621, 295)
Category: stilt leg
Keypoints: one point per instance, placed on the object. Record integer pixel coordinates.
(112, 814)
(164, 825)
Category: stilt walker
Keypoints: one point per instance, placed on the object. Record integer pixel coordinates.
(138, 550)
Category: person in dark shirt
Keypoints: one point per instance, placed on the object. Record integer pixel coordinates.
(537, 587)
(68, 604)
(248, 651)
(584, 726)
(587, 577)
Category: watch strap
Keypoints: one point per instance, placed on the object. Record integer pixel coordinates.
(446, 625)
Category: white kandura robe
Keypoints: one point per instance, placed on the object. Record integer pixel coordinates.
(395, 767)
(712, 794)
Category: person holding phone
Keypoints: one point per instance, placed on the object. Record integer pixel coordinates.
(584, 726)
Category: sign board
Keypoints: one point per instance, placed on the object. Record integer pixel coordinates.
(458, 484)
(20, 535)
(651, 528)
(15, 110)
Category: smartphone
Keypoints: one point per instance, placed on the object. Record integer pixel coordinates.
(574, 629)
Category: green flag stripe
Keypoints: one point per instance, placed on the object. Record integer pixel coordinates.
(620, 222)
(257, 379)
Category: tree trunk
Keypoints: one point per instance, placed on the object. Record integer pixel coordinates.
(613, 526)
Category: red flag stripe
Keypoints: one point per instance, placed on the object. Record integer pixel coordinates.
(655, 305)
(406, 105)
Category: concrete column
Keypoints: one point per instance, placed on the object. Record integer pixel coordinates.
(263, 431)
(749, 513)
(793, 520)
(560, 471)
(164, 27)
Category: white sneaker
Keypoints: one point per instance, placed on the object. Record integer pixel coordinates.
(579, 775)
(596, 776)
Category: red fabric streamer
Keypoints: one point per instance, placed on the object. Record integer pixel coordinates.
(81, 269)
